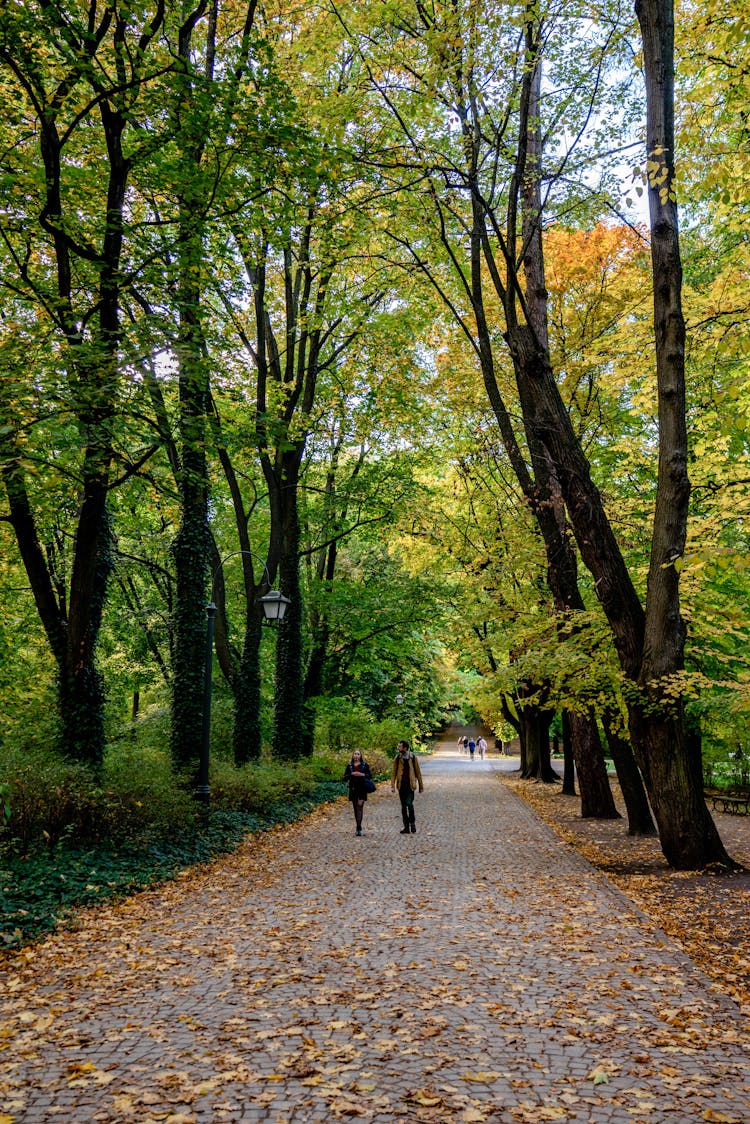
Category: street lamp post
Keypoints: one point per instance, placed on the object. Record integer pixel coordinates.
(274, 606)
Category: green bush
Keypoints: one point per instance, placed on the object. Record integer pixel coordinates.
(342, 726)
(52, 800)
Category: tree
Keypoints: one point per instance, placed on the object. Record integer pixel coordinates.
(75, 78)
(664, 750)
(464, 165)
(650, 644)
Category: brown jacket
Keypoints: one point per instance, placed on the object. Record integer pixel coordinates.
(415, 773)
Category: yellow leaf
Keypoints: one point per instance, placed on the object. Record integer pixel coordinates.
(81, 1067)
(485, 1077)
(428, 1102)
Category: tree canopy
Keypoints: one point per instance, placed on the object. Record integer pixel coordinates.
(355, 296)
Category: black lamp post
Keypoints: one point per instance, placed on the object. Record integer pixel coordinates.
(274, 606)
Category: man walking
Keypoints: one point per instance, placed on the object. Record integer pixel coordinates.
(406, 776)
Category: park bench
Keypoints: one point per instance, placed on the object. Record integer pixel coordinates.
(736, 803)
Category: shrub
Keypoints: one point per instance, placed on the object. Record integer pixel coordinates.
(53, 800)
(341, 726)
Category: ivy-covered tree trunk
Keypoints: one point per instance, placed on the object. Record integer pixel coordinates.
(190, 553)
(191, 548)
(81, 684)
(318, 623)
(72, 636)
(289, 711)
(313, 686)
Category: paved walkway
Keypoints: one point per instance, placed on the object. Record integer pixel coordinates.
(476, 971)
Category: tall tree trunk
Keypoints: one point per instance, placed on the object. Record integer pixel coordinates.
(191, 548)
(649, 643)
(290, 716)
(242, 672)
(325, 570)
(668, 749)
(83, 317)
(688, 837)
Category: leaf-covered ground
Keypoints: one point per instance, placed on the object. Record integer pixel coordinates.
(707, 914)
(45, 889)
(478, 971)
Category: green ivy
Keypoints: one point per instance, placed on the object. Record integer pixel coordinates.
(38, 892)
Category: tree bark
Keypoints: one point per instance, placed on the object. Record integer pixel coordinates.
(568, 785)
(291, 718)
(536, 760)
(640, 821)
(546, 499)
(191, 548)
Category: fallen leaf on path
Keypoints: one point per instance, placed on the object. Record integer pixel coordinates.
(427, 1100)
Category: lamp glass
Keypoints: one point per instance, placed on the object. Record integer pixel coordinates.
(274, 605)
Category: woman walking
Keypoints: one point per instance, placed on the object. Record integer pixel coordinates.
(359, 776)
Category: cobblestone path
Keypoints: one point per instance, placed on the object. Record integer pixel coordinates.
(476, 971)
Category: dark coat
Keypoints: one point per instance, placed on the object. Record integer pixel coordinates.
(357, 785)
